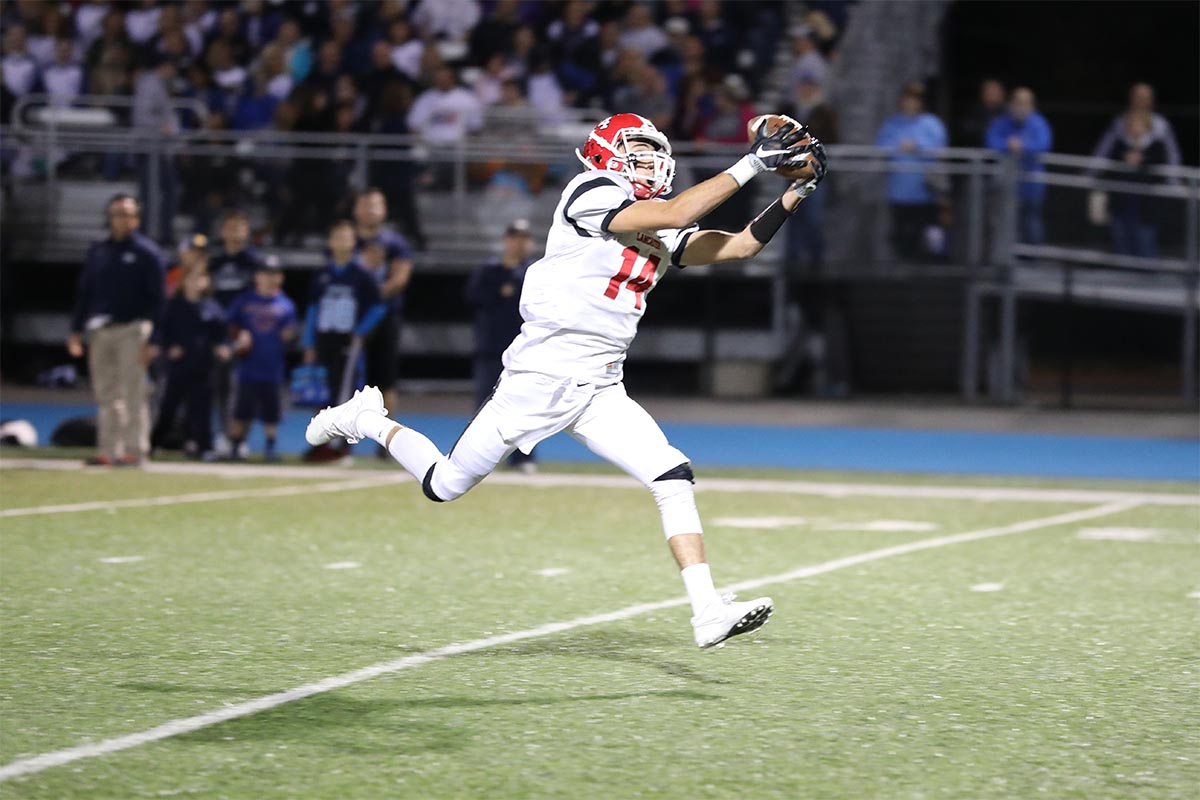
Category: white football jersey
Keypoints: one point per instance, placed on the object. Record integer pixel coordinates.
(582, 301)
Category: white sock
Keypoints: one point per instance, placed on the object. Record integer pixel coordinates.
(410, 448)
(697, 579)
(373, 425)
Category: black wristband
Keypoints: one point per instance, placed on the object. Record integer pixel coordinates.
(768, 223)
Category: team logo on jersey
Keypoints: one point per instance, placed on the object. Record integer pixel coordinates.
(650, 240)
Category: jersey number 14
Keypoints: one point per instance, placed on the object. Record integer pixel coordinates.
(638, 285)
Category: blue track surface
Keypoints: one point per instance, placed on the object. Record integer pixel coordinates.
(887, 450)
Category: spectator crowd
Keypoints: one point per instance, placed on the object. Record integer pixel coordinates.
(437, 69)
(442, 71)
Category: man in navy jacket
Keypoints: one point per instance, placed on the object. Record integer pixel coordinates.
(119, 299)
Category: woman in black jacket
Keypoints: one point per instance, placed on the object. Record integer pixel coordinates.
(1136, 217)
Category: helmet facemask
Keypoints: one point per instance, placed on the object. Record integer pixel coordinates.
(657, 182)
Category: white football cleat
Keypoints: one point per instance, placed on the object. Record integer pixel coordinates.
(730, 618)
(340, 421)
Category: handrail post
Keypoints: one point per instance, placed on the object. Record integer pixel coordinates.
(153, 190)
(1191, 294)
(460, 180)
(1067, 352)
(969, 375)
(779, 301)
(1008, 297)
(362, 164)
(975, 216)
(52, 204)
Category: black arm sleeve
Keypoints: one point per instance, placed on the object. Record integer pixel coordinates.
(768, 223)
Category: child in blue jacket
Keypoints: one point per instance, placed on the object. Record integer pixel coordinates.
(263, 323)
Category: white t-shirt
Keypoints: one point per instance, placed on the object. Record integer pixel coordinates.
(89, 23)
(41, 48)
(63, 82)
(141, 24)
(583, 300)
(445, 117)
(647, 40)
(453, 19)
(546, 96)
(407, 57)
(280, 86)
(20, 73)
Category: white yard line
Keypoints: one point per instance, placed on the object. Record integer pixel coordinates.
(199, 497)
(989, 494)
(178, 727)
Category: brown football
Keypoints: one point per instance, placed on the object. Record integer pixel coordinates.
(773, 122)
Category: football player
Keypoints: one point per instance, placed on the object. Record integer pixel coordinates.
(612, 238)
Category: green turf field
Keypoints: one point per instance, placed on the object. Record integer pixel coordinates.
(1058, 661)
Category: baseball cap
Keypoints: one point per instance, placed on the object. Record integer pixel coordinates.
(736, 85)
(197, 241)
(518, 227)
(270, 263)
(676, 25)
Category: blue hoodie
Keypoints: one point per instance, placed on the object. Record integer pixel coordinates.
(928, 133)
(1036, 139)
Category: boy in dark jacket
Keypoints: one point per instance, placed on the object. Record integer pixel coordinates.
(191, 335)
(344, 308)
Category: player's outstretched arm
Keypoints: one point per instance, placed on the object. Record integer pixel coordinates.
(767, 153)
(678, 212)
(712, 247)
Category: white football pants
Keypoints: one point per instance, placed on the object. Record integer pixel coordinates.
(527, 407)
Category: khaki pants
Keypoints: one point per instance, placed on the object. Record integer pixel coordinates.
(119, 382)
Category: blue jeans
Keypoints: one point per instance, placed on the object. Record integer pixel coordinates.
(1133, 236)
(1029, 219)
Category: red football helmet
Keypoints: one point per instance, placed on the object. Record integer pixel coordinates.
(608, 147)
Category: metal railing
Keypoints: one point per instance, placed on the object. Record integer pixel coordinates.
(991, 259)
(1181, 184)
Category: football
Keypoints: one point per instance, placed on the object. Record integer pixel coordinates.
(773, 122)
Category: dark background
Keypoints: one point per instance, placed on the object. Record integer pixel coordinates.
(1080, 59)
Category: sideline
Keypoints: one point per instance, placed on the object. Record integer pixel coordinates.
(987, 494)
(198, 497)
